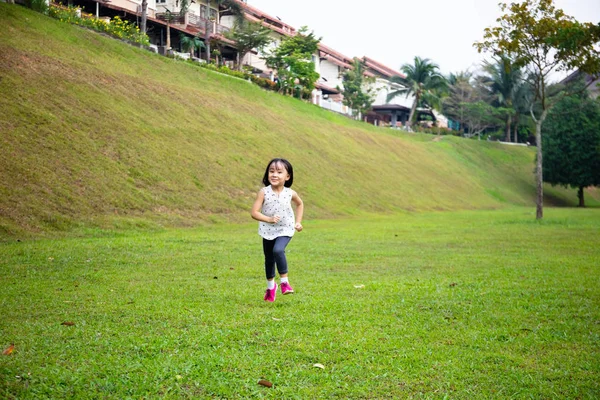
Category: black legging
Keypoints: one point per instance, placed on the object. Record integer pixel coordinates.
(275, 253)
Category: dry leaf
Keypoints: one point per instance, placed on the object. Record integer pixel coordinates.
(319, 366)
(68, 323)
(359, 286)
(9, 350)
(277, 319)
(265, 383)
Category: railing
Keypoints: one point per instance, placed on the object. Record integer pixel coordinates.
(175, 18)
(204, 23)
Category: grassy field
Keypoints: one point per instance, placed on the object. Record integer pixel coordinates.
(97, 133)
(462, 305)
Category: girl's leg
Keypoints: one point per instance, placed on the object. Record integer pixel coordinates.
(279, 254)
(269, 259)
(282, 267)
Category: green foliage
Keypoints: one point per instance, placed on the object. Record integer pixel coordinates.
(117, 27)
(292, 60)
(249, 36)
(534, 33)
(191, 43)
(571, 143)
(358, 92)
(37, 5)
(424, 81)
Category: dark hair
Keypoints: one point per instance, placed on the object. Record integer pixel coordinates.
(287, 166)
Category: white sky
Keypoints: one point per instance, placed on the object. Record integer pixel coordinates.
(393, 32)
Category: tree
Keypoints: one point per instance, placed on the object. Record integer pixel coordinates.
(460, 92)
(358, 92)
(424, 81)
(535, 34)
(504, 80)
(191, 43)
(292, 60)
(479, 116)
(572, 144)
(249, 36)
(184, 5)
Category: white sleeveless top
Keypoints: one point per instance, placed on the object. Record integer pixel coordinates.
(281, 205)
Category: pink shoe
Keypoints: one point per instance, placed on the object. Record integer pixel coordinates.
(286, 288)
(270, 294)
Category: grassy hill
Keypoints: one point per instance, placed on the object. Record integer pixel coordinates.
(95, 132)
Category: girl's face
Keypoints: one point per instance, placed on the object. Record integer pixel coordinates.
(278, 174)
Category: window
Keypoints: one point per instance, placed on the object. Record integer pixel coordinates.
(161, 1)
(213, 13)
(203, 10)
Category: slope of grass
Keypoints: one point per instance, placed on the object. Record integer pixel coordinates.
(461, 305)
(95, 132)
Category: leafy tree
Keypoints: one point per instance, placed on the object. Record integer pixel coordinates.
(572, 144)
(504, 80)
(536, 34)
(292, 60)
(479, 116)
(191, 43)
(358, 92)
(248, 36)
(424, 81)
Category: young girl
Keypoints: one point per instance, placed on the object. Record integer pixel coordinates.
(273, 209)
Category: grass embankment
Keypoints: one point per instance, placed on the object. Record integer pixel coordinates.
(462, 305)
(99, 133)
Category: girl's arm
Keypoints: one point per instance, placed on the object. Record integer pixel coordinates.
(299, 210)
(257, 215)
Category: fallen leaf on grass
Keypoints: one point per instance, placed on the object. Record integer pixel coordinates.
(317, 365)
(453, 284)
(359, 286)
(277, 319)
(265, 383)
(68, 323)
(9, 350)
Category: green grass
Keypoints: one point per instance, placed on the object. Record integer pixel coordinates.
(462, 305)
(100, 134)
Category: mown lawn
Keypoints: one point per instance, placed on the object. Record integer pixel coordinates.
(479, 304)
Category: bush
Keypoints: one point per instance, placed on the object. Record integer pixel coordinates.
(117, 28)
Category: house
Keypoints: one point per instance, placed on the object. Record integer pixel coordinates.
(592, 82)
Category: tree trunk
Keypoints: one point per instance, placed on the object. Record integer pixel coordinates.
(508, 120)
(539, 202)
(144, 16)
(413, 109)
(207, 33)
(168, 36)
(515, 129)
(580, 196)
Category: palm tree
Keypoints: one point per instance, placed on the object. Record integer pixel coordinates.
(424, 81)
(504, 80)
(184, 5)
(191, 43)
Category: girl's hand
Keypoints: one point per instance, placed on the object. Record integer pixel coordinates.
(275, 219)
(298, 226)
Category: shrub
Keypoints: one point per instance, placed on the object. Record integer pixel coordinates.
(117, 28)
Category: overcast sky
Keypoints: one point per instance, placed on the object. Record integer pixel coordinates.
(393, 32)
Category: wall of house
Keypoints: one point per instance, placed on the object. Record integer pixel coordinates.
(383, 88)
(133, 6)
(331, 72)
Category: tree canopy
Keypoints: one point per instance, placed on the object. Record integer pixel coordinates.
(572, 144)
(292, 60)
(358, 92)
(537, 35)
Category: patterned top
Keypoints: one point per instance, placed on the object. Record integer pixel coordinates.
(277, 204)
